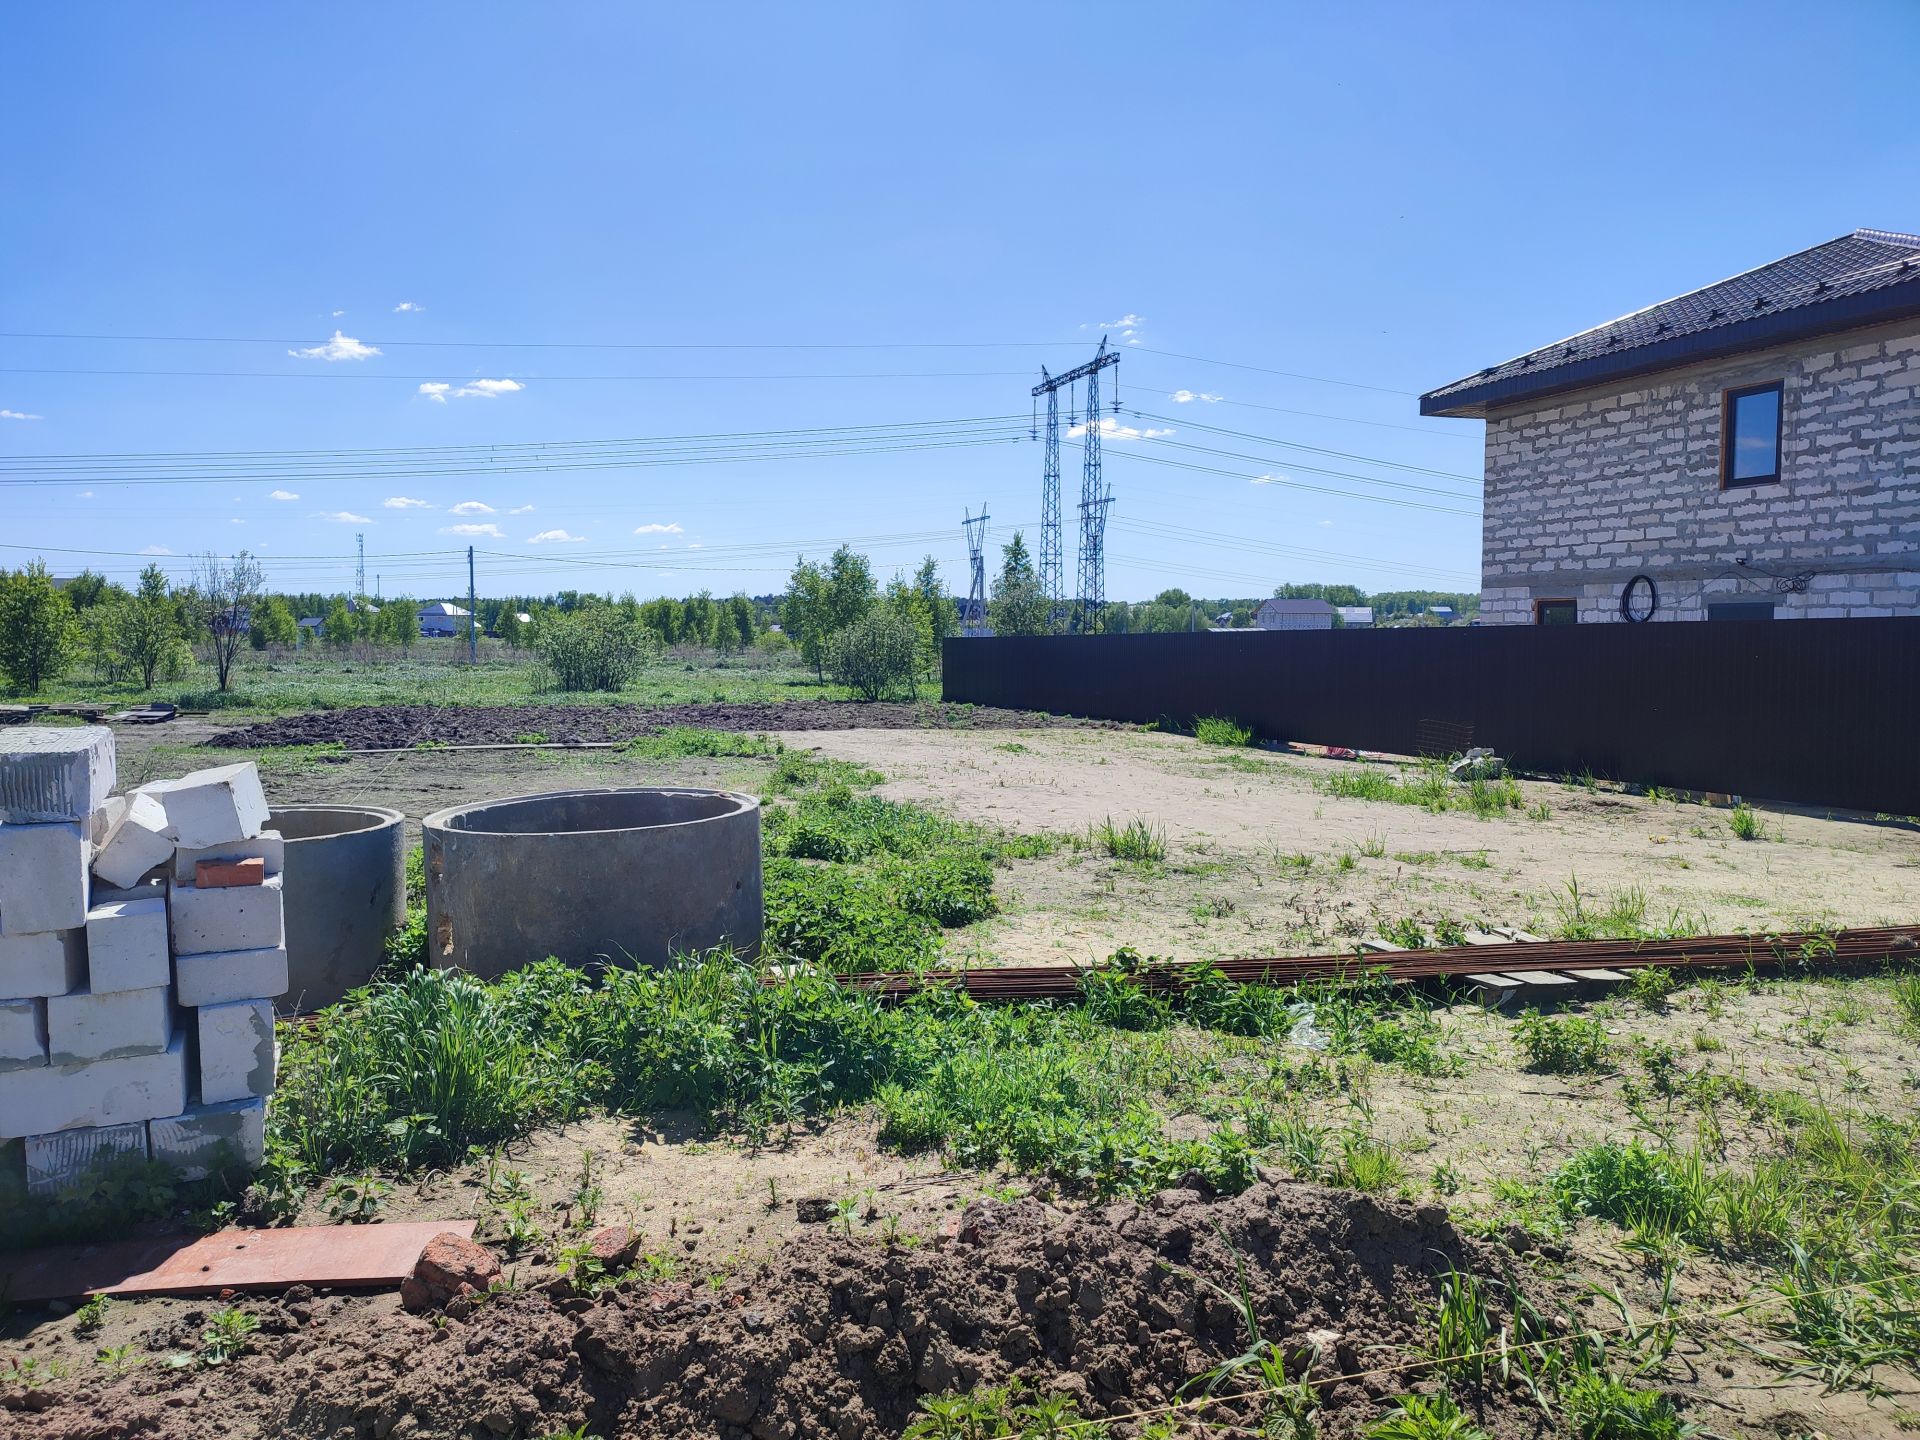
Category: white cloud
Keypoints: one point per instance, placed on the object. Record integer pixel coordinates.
(236, 520)
(696, 545)
(1111, 429)
(1187, 397)
(656, 528)
(1128, 321)
(1326, 524)
(343, 517)
(441, 391)
(1268, 480)
(340, 347)
(19, 415)
(155, 550)
(490, 531)
(281, 495)
(404, 502)
(472, 507)
(86, 494)
(407, 307)
(556, 537)
(338, 313)
(521, 510)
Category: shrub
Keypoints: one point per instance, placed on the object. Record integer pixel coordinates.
(1652, 1191)
(1745, 823)
(1217, 730)
(844, 918)
(599, 648)
(875, 656)
(1564, 1044)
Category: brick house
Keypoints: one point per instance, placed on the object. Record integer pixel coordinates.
(1746, 451)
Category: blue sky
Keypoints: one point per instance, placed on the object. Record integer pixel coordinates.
(1388, 196)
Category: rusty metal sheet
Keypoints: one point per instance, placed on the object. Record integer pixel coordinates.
(341, 1256)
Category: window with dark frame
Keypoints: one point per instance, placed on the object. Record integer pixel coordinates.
(1555, 612)
(1750, 435)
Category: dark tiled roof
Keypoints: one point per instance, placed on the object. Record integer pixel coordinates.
(1295, 607)
(1858, 279)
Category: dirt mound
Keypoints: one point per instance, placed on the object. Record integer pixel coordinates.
(393, 727)
(840, 1337)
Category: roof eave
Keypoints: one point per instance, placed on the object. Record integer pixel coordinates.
(1851, 312)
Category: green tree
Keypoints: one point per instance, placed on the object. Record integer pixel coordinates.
(850, 588)
(146, 628)
(88, 589)
(38, 634)
(1019, 606)
(511, 628)
(876, 655)
(273, 624)
(941, 613)
(905, 602)
(339, 629)
(399, 622)
(804, 614)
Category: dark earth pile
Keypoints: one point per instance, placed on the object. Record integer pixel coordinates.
(838, 1337)
(393, 727)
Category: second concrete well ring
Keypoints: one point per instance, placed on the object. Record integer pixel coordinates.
(629, 877)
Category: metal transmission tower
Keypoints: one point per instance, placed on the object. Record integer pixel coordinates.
(360, 569)
(973, 621)
(1094, 499)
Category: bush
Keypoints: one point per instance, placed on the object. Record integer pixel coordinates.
(1652, 1191)
(844, 918)
(600, 648)
(1565, 1044)
(1217, 730)
(875, 656)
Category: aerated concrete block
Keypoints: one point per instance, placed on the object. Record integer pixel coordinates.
(86, 1026)
(46, 1098)
(23, 1033)
(134, 845)
(54, 773)
(236, 1051)
(267, 846)
(197, 1141)
(212, 807)
(228, 975)
(127, 944)
(43, 877)
(56, 1162)
(49, 963)
(247, 918)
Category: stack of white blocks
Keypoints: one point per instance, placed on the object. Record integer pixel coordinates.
(136, 1012)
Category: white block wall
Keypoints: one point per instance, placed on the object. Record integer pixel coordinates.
(43, 877)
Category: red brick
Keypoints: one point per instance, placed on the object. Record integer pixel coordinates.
(227, 874)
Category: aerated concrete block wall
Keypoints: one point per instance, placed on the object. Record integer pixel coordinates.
(1592, 488)
(136, 1014)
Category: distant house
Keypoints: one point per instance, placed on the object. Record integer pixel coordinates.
(312, 624)
(442, 619)
(1442, 613)
(1293, 615)
(1744, 451)
(1355, 617)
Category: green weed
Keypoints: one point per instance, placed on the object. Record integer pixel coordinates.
(1745, 823)
(1139, 841)
(1564, 1044)
(1216, 730)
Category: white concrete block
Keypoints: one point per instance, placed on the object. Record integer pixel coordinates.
(136, 844)
(211, 1135)
(106, 818)
(212, 807)
(23, 1033)
(267, 846)
(227, 975)
(43, 877)
(127, 944)
(54, 772)
(87, 1026)
(236, 1051)
(65, 1158)
(46, 1098)
(240, 917)
(51, 962)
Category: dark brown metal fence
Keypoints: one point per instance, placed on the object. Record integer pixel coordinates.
(1817, 712)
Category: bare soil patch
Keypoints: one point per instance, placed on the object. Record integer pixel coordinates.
(379, 727)
(1118, 1306)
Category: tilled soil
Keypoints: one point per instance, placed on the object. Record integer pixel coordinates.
(393, 727)
(1120, 1307)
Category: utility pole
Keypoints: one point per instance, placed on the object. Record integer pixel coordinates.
(473, 614)
(360, 569)
(1094, 498)
(973, 621)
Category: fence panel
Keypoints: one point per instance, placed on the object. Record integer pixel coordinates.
(1817, 712)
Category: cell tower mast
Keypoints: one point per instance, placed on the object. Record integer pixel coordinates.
(973, 621)
(1094, 498)
(360, 567)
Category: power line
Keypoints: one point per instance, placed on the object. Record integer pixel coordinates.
(1311, 449)
(1265, 370)
(542, 379)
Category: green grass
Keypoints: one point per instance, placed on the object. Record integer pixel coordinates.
(680, 742)
(1139, 841)
(1745, 823)
(1218, 730)
(1564, 1044)
(1428, 786)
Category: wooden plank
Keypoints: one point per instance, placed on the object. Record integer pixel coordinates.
(344, 1256)
(1376, 946)
(1492, 991)
(1605, 977)
(1519, 937)
(1543, 980)
(1481, 937)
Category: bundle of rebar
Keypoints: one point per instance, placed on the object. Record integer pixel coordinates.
(1808, 951)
